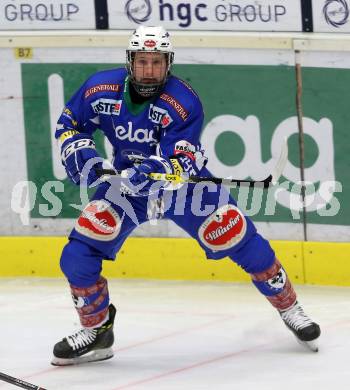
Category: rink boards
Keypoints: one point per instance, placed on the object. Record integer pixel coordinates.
(242, 134)
(319, 263)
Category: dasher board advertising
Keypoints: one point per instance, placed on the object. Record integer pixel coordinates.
(331, 16)
(217, 15)
(47, 15)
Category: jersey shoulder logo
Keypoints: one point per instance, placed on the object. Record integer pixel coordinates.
(176, 105)
(159, 116)
(107, 106)
(102, 88)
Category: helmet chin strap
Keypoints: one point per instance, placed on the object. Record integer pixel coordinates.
(146, 90)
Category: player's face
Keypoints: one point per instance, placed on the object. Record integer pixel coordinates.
(149, 68)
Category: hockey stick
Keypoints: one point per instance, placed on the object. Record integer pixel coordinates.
(19, 382)
(271, 179)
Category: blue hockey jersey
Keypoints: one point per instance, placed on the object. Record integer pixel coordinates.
(168, 124)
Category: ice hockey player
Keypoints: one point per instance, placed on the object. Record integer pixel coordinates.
(153, 120)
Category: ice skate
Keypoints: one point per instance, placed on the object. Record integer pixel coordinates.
(86, 345)
(305, 330)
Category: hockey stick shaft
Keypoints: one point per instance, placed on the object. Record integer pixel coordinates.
(192, 179)
(271, 179)
(19, 382)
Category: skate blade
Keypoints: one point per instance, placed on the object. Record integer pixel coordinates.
(92, 356)
(310, 345)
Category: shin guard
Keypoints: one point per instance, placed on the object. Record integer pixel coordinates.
(276, 286)
(91, 303)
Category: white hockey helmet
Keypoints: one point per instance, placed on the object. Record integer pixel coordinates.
(149, 39)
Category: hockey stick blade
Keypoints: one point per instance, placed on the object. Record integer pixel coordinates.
(19, 382)
(281, 163)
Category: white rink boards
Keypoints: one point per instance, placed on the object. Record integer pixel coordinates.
(176, 335)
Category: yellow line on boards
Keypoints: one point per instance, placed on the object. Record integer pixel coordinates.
(320, 263)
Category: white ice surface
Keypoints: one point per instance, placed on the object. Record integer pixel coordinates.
(177, 335)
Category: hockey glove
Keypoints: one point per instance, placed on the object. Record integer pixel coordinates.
(180, 165)
(139, 175)
(75, 153)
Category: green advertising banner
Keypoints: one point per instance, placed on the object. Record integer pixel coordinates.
(249, 110)
(326, 99)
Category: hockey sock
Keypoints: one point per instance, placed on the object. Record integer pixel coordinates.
(276, 286)
(92, 303)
